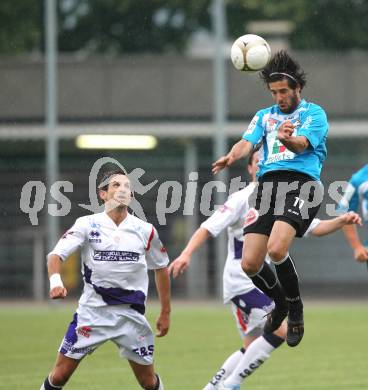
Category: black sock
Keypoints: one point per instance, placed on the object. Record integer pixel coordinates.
(267, 282)
(48, 386)
(272, 339)
(288, 278)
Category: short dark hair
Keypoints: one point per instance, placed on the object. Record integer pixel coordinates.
(284, 67)
(103, 182)
(252, 153)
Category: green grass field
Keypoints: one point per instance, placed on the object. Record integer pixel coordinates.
(332, 356)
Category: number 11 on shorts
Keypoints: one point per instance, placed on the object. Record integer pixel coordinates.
(298, 202)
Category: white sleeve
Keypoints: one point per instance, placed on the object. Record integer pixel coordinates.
(156, 254)
(312, 226)
(226, 215)
(71, 240)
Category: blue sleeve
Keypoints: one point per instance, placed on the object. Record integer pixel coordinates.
(354, 200)
(314, 126)
(254, 131)
(350, 200)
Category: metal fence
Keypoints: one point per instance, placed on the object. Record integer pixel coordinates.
(326, 265)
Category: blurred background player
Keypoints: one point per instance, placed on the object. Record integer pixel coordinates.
(116, 250)
(293, 134)
(357, 193)
(249, 305)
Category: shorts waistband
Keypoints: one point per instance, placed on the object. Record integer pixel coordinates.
(286, 175)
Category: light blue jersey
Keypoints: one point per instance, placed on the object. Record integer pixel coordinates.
(357, 192)
(310, 121)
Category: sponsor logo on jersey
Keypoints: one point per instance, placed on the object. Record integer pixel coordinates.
(126, 256)
(94, 236)
(278, 147)
(271, 125)
(163, 249)
(291, 117)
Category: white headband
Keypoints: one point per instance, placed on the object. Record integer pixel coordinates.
(284, 74)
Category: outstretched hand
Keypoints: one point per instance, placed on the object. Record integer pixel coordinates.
(179, 265)
(220, 164)
(351, 218)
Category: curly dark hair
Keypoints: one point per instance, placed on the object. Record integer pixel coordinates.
(283, 67)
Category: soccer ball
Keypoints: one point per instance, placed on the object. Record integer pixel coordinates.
(250, 53)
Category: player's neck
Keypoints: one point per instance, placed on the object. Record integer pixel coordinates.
(118, 215)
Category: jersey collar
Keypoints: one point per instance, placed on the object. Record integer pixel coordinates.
(111, 223)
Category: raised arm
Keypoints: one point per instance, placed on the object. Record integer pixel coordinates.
(162, 279)
(239, 150)
(181, 263)
(329, 226)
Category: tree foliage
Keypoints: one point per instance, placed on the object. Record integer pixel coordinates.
(126, 26)
(119, 26)
(318, 24)
(20, 26)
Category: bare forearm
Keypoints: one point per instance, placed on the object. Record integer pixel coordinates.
(162, 279)
(57, 289)
(352, 237)
(296, 144)
(197, 240)
(241, 149)
(328, 226)
(54, 263)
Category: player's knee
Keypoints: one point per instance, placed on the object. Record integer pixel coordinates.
(60, 375)
(276, 252)
(249, 267)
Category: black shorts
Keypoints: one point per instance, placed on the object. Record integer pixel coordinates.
(287, 196)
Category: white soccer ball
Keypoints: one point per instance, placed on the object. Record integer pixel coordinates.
(250, 53)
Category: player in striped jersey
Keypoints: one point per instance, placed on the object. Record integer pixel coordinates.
(117, 248)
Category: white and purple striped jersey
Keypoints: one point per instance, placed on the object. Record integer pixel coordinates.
(232, 216)
(114, 258)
